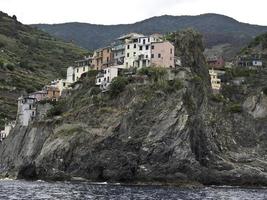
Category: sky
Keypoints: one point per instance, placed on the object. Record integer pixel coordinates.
(129, 11)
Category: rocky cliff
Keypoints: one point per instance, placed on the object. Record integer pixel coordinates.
(163, 131)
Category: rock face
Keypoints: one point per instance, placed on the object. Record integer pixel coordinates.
(256, 106)
(146, 134)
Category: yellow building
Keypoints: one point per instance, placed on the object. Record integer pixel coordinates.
(216, 84)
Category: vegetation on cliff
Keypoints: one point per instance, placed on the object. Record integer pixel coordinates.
(29, 59)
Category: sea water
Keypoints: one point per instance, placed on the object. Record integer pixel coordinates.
(14, 189)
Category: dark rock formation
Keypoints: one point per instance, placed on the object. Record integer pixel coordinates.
(146, 134)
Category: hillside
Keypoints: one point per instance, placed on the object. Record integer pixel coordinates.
(257, 46)
(217, 30)
(29, 58)
(169, 132)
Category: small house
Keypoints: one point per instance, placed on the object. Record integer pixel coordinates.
(39, 95)
(215, 62)
(53, 93)
(105, 77)
(27, 107)
(216, 83)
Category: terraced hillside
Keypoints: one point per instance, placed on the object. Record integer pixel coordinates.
(29, 58)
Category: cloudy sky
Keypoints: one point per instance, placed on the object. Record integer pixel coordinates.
(129, 11)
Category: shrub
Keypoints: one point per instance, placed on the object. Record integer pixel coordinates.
(117, 85)
(10, 67)
(153, 73)
(217, 98)
(2, 44)
(197, 79)
(92, 73)
(1, 64)
(58, 108)
(94, 91)
(170, 86)
(235, 108)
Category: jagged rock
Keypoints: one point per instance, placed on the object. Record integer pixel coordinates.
(256, 106)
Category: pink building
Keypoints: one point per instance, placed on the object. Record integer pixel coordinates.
(216, 62)
(39, 95)
(162, 54)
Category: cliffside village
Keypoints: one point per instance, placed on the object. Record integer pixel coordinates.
(129, 51)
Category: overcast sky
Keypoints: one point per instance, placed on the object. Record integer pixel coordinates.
(129, 11)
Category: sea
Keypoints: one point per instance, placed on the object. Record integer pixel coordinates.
(18, 189)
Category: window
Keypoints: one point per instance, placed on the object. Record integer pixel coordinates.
(99, 80)
(77, 70)
(83, 68)
(128, 47)
(171, 51)
(126, 64)
(64, 84)
(134, 53)
(108, 79)
(159, 55)
(144, 41)
(146, 56)
(128, 55)
(147, 47)
(135, 46)
(140, 48)
(152, 55)
(152, 47)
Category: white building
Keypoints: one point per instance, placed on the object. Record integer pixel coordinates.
(61, 84)
(257, 63)
(104, 78)
(118, 50)
(26, 110)
(138, 49)
(8, 127)
(75, 73)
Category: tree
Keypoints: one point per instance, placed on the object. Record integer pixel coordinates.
(117, 85)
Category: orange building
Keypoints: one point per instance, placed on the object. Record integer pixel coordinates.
(53, 93)
(102, 58)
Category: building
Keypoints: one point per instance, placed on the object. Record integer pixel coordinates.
(53, 93)
(26, 110)
(216, 83)
(216, 62)
(8, 127)
(257, 63)
(75, 73)
(250, 61)
(118, 49)
(162, 54)
(102, 58)
(131, 49)
(39, 95)
(61, 84)
(86, 61)
(105, 77)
